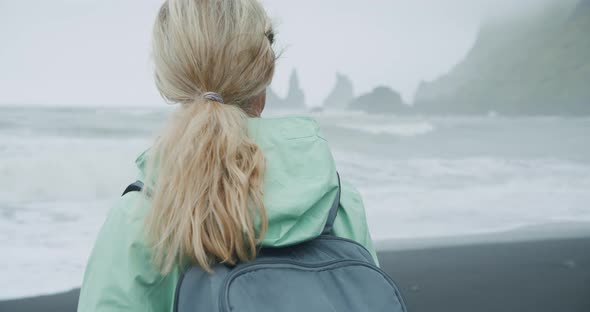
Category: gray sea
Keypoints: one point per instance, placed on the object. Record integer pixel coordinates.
(62, 168)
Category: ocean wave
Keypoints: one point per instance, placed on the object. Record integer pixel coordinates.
(56, 169)
(434, 197)
(395, 129)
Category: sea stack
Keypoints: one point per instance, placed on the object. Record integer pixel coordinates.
(342, 94)
(380, 100)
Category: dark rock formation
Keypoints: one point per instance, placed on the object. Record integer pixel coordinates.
(295, 100)
(341, 95)
(380, 100)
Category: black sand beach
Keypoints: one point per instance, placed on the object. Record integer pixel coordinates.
(539, 275)
(528, 276)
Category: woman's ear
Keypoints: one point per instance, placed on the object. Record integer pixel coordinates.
(257, 105)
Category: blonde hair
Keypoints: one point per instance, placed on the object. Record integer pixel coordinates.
(208, 173)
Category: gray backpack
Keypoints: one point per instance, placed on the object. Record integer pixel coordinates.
(327, 273)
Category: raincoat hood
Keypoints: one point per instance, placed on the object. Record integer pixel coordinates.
(300, 179)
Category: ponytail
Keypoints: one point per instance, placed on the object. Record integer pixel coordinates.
(207, 201)
(207, 174)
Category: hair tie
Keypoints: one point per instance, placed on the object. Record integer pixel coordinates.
(212, 96)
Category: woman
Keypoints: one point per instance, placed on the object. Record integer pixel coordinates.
(220, 181)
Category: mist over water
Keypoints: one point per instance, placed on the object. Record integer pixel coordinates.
(88, 52)
(61, 170)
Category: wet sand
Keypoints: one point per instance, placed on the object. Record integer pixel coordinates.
(536, 276)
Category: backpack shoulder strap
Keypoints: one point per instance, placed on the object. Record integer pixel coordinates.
(333, 211)
(136, 186)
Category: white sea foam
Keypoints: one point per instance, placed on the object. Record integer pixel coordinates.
(45, 246)
(54, 195)
(403, 129)
(441, 197)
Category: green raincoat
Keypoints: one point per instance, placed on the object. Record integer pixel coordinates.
(300, 186)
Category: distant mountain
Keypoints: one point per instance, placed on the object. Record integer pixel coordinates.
(380, 100)
(341, 95)
(536, 65)
(295, 99)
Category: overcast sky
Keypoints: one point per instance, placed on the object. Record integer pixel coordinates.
(97, 52)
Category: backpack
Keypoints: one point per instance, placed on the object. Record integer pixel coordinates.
(327, 273)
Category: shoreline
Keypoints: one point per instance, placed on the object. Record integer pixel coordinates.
(540, 268)
(522, 234)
